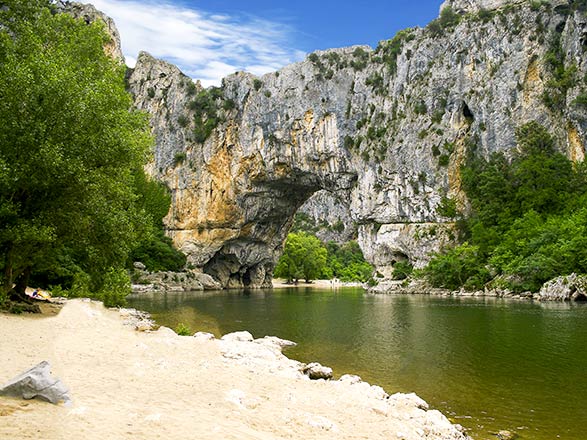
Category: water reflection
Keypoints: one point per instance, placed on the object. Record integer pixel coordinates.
(492, 363)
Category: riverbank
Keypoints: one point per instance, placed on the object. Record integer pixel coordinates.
(571, 287)
(128, 384)
(318, 284)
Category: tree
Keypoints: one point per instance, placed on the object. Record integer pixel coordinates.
(70, 146)
(304, 256)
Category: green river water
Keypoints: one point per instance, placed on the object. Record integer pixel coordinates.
(487, 364)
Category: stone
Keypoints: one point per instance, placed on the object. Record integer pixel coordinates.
(37, 383)
(186, 281)
(410, 399)
(243, 336)
(565, 288)
(506, 435)
(350, 379)
(204, 336)
(274, 341)
(139, 266)
(316, 371)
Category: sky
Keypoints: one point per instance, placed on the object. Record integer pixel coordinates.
(210, 39)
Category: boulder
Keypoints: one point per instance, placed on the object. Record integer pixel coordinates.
(204, 336)
(37, 383)
(565, 288)
(506, 435)
(275, 342)
(316, 371)
(238, 336)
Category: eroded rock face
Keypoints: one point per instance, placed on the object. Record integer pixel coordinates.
(384, 130)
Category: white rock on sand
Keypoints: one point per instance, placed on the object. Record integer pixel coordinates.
(127, 385)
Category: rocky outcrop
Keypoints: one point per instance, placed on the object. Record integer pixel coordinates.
(190, 280)
(565, 288)
(384, 130)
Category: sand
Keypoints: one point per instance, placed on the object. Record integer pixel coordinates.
(127, 384)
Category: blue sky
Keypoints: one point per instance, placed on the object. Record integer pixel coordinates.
(209, 39)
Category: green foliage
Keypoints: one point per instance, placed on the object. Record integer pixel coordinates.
(447, 207)
(528, 221)
(183, 121)
(69, 148)
(375, 81)
(562, 77)
(191, 87)
(420, 107)
(347, 263)
(155, 250)
(158, 254)
(115, 287)
(183, 330)
(391, 49)
(485, 15)
(360, 59)
(304, 256)
(179, 158)
(206, 106)
(448, 20)
(581, 100)
(460, 266)
(402, 270)
(443, 160)
(257, 83)
(349, 142)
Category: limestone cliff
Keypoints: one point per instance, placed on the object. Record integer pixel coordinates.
(385, 130)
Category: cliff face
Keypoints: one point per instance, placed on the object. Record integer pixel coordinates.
(384, 130)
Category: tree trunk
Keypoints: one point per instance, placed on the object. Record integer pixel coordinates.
(8, 274)
(19, 291)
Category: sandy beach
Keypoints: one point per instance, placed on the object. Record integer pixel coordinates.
(127, 384)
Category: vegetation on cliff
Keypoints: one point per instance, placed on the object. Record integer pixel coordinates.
(527, 222)
(74, 200)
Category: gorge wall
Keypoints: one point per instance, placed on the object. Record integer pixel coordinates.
(379, 134)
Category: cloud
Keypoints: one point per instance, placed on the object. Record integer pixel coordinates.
(204, 45)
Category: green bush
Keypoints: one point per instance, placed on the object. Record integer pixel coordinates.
(179, 158)
(402, 270)
(183, 330)
(158, 254)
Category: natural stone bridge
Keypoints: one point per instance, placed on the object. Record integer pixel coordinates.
(386, 131)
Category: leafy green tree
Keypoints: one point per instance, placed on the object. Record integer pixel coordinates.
(155, 251)
(304, 256)
(70, 146)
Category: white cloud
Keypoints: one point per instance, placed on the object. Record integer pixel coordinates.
(203, 45)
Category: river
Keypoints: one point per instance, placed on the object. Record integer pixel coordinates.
(488, 364)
